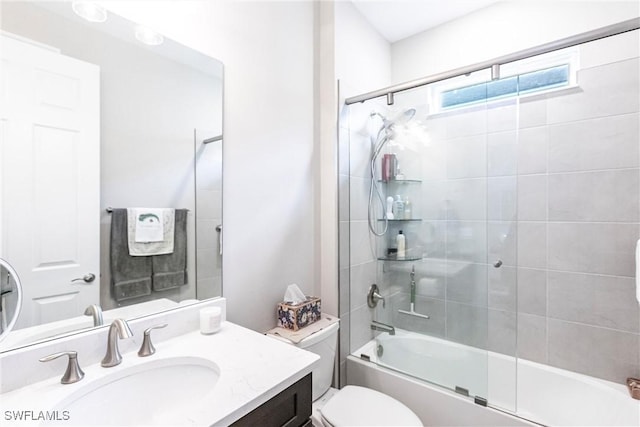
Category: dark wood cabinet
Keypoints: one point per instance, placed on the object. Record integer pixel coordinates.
(290, 408)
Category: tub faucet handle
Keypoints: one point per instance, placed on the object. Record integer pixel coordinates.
(374, 296)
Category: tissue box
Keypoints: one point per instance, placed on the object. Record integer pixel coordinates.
(296, 316)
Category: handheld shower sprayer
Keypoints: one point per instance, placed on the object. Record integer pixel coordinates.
(399, 119)
(384, 135)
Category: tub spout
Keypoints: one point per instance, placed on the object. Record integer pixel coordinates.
(378, 326)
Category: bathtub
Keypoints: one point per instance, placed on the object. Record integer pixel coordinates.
(519, 392)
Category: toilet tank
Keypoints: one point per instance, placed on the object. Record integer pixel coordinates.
(323, 343)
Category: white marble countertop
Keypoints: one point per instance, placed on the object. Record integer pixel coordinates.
(253, 369)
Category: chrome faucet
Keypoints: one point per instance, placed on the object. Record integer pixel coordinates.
(379, 326)
(95, 311)
(119, 328)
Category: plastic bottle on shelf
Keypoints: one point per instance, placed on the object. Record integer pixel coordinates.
(389, 213)
(386, 167)
(394, 166)
(401, 242)
(407, 208)
(398, 208)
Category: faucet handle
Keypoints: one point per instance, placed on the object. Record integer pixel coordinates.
(147, 348)
(73, 374)
(374, 296)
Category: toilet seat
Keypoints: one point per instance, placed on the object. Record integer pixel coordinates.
(360, 406)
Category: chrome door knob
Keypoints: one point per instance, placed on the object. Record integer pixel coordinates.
(87, 278)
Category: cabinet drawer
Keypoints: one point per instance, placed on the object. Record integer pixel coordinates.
(290, 408)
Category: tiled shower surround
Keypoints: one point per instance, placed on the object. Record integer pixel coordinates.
(549, 184)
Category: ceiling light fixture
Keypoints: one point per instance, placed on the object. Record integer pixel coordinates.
(148, 36)
(90, 11)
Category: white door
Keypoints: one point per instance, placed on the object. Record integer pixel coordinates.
(50, 167)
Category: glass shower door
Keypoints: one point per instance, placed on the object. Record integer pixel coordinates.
(443, 180)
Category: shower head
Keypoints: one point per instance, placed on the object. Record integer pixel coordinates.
(405, 116)
(400, 119)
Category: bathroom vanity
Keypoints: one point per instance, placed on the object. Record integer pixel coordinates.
(291, 407)
(233, 377)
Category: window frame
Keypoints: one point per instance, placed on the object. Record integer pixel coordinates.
(568, 57)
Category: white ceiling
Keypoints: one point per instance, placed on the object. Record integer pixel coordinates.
(398, 19)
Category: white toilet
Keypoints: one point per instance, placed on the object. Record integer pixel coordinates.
(352, 405)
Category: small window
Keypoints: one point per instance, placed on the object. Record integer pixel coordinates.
(548, 78)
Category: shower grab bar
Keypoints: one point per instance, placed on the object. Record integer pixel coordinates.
(589, 36)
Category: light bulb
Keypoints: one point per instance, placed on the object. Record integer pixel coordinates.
(90, 11)
(148, 36)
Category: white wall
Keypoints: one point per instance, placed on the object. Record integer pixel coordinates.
(267, 49)
(501, 29)
(362, 55)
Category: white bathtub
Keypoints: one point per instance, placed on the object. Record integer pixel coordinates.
(529, 390)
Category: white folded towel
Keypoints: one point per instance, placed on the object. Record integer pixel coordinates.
(149, 225)
(150, 231)
(638, 271)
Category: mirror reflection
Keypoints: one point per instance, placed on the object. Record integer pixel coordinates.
(112, 169)
(10, 298)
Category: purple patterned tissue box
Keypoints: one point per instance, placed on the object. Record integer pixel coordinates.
(296, 316)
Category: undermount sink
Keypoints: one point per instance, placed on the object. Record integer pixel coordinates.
(151, 393)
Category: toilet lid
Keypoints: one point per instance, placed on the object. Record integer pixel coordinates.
(360, 406)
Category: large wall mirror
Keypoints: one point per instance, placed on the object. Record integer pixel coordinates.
(110, 140)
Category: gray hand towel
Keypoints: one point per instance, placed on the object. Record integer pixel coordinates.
(170, 270)
(130, 276)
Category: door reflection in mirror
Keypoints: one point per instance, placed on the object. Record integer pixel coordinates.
(10, 296)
